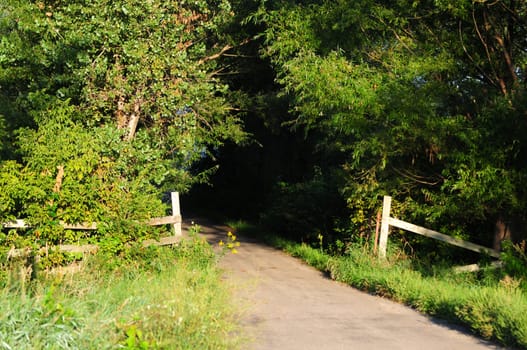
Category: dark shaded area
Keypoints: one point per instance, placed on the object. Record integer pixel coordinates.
(244, 184)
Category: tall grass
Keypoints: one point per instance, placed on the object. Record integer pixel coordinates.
(492, 310)
(491, 305)
(162, 298)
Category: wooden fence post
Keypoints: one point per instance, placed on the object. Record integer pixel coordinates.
(377, 228)
(385, 226)
(176, 212)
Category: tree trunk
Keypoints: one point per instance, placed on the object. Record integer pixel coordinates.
(512, 229)
(124, 120)
(133, 121)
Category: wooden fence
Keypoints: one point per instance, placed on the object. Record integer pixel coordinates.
(388, 221)
(174, 220)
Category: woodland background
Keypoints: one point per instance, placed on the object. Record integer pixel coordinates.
(302, 114)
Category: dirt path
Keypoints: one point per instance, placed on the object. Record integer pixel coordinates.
(293, 306)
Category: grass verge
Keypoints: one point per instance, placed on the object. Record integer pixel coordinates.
(160, 298)
(495, 309)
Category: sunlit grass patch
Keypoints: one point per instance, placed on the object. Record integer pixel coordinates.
(174, 299)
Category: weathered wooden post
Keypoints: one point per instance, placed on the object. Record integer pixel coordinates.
(377, 228)
(176, 212)
(385, 226)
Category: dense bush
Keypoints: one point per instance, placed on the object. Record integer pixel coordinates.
(304, 210)
(103, 116)
(77, 175)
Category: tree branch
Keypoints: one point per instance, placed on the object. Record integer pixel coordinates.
(508, 59)
(222, 52)
(500, 81)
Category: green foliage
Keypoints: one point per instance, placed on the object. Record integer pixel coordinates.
(198, 252)
(134, 340)
(10, 180)
(419, 102)
(78, 175)
(514, 258)
(107, 106)
(303, 210)
(149, 60)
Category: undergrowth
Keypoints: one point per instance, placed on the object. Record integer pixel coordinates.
(161, 298)
(491, 304)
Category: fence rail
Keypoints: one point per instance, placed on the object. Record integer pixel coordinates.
(388, 221)
(175, 220)
(164, 220)
(21, 223)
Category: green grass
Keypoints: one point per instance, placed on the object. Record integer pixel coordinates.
(160, 298)
(493, 308)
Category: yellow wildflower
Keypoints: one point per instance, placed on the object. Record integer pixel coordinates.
(234, 251)
(221, 243)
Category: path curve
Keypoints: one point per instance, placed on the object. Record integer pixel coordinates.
(294, 306)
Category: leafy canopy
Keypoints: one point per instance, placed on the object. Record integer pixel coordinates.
(107, 105)
(424, 101)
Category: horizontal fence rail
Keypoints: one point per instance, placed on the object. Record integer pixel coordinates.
(164, 220)
(175, 220)
(20, 223)
(388, 221)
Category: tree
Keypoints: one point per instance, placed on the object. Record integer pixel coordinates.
(136, 78)
(422, 101)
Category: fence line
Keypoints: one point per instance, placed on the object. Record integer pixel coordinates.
(388, 221)
(175, 220)
(21, 223)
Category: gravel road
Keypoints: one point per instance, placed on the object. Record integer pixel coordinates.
(294, 306)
